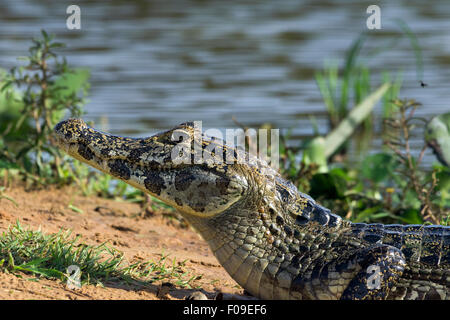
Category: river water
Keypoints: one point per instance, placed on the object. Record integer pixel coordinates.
(155, 64)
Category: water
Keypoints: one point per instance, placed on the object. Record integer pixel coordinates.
(155, 64)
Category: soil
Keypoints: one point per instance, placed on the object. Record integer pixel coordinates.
(122, 225)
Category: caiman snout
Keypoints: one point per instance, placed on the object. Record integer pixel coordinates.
(147, 163)
(70, 130)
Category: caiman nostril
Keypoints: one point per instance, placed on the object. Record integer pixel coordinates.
(59, 126)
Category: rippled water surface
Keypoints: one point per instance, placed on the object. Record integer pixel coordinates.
(155, 64)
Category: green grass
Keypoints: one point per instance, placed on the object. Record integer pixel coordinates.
(5, 196)
(49, 256)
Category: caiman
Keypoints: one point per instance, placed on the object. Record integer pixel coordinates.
(274, 241)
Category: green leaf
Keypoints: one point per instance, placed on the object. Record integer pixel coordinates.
(411, 200)
(50, 273)
(73, 208)
(412, 216)
(71, 82)
(437, 136)
(347, 126)
(314, 152)
(4, 164)
(57, 45)
(367, 214)
(378, 167)
(330, 185)
(11, 102)
(67, 87)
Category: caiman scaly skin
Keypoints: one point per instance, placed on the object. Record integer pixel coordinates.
(275, 241)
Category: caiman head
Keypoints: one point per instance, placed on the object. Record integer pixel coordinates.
(198, 175)
(242, 207)
(163, 165)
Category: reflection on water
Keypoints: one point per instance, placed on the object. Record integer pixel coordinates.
(158, 63)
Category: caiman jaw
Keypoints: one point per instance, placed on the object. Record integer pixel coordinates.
(146, 164)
